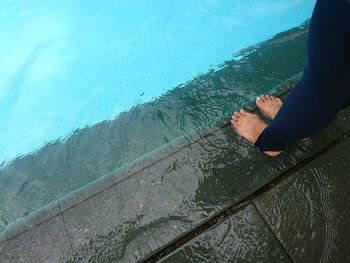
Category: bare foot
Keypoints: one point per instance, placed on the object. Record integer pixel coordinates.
(250, 127)
(268, 105)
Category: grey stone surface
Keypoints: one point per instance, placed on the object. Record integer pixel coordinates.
(243, 237)
(134, 218)
(47, 242)
(29, 221)
(244, 170)
(310, 211)
(142, 214)
(137, 216)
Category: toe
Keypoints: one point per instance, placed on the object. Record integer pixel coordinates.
(259, 101)
(243, 112)
(233, 115)
(235, 125)
(237, 114)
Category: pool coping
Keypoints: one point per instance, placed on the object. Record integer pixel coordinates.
(125, 172)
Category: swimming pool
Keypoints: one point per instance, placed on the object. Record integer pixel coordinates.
(87, 88)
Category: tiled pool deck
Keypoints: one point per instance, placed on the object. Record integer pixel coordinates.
(210, 198)
(302, 216)
(292, 208)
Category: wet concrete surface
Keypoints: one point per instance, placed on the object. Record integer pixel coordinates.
(47, 242)
(243, 237)
(137, 217)
(141, 214)
(255, 170)
(309, 212)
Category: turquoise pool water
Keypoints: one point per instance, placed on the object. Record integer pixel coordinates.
(87, 88)
(69, 64)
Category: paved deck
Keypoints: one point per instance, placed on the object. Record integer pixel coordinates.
(294, 208)
(207, 198)
(302, 218)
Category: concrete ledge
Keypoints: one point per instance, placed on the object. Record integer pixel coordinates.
(119, 175)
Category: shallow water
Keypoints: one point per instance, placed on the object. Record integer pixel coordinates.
(308, 212)
(88, 88)
(243, 237)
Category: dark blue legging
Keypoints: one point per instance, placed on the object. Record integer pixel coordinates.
(324, 88)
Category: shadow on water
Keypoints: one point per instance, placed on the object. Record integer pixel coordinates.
(33, 181)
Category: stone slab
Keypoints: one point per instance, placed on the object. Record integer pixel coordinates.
(243, 237)
(29, 221)
(243, 170)
(138, 216)
(134, 218)
(47, 242)
(310, 211)
(129, 221)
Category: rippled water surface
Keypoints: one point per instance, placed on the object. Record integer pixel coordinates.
(309, 212)
(87, 87)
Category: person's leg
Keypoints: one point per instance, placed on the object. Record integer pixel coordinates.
(325, 86)
(346, 103)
